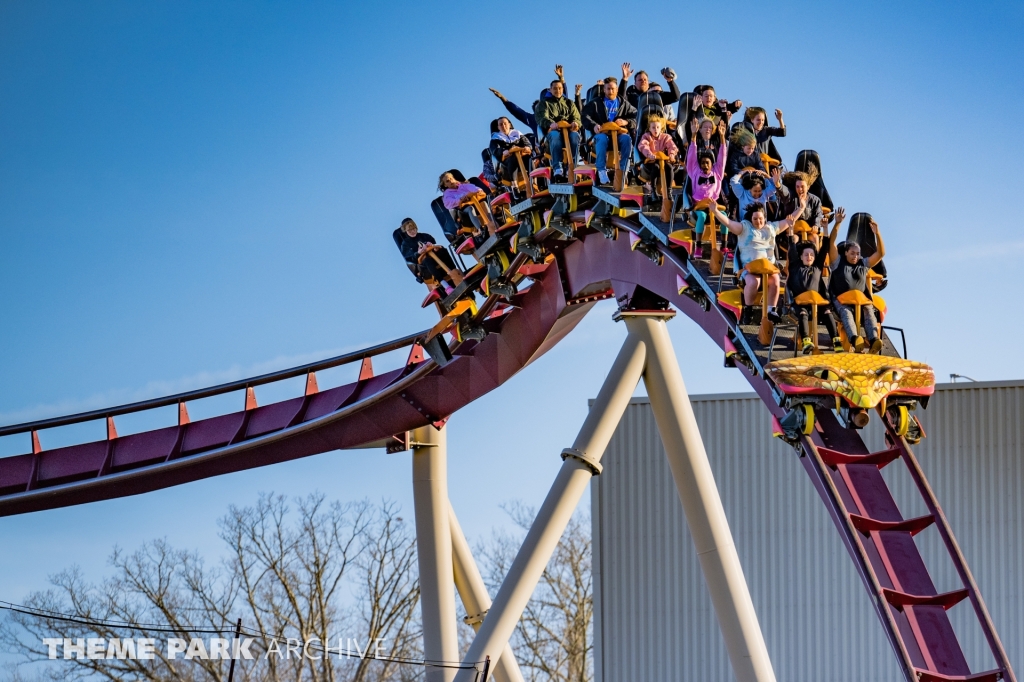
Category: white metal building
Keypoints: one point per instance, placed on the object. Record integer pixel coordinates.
(653, 616)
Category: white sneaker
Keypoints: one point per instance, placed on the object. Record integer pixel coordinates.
(602, 177)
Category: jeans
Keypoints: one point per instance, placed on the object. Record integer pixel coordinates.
(601, 143)
(848, 318)
(556, 145)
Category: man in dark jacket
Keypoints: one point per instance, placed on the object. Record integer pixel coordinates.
(549, 113)
(646, 100)
(606, 109)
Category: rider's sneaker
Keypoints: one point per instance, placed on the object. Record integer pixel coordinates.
(807, 346)
(858, 344)
(837, 345)
(876, 347)
(602, 178)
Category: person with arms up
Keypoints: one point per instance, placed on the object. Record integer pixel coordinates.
(756, 239)
(850, 273)
(550, 113)
(806, 263)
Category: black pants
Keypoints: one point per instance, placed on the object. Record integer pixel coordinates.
(825, 316)
(430, 269)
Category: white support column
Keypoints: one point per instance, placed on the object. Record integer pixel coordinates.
(579, 464)
(434, 550)
(702, 504)
(473, 592)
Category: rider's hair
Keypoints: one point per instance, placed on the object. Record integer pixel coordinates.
(440, 180)
(843, 247)
(611, 79)
(803, 246)
(754, 208)
(656, 117)
(638, 74)
(553, 82)
(706, 155)
(741, 137)
(751, 112)
(750, 180)
(407, 221)
(800, 175)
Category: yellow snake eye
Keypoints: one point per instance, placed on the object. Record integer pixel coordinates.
(824, 373)
(889, 374)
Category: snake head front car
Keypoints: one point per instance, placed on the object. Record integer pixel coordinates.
(861, 380)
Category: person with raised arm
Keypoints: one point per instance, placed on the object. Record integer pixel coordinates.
(611, 108)
(757, 117)
(520, 114)
(850, 273)
(525, 117)
(806, 263)
(504, 140)
(749, 186)
(549, 114)
(646, 100)
(706, 174)
(703, 104)
(756, 239)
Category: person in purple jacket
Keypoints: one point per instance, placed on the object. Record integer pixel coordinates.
(453, 192)
(706, 174)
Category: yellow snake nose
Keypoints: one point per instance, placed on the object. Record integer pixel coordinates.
(864, 381)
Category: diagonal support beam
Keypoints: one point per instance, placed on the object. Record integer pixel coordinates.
(473, 592)
(702, 504)
(434, 551)
(579, 464)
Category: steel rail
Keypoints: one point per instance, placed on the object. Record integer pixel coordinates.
(228, 387)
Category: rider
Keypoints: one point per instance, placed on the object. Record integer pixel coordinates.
(805, 267)
(453, 194)
(647, 100)
(601, 110)
(757, 117)
(749, 186)
(850, 273)
(549, 113)
(413, 244)
(812, 213)
(756, 239)
(504, 138)
(743, 153)
(702, 103)
(706, 173)
(655, 140)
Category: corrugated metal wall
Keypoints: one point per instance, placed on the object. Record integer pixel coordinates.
(654, 619)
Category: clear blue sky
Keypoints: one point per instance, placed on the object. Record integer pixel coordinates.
(193, 192)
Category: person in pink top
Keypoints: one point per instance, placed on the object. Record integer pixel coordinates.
(454, 192)
(706, 172)
(653, 141)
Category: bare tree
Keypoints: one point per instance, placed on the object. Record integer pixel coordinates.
(554, 639)
(306, 575)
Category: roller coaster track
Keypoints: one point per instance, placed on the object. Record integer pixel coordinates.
(379, 409)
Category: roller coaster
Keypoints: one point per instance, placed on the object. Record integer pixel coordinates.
(546, 250)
